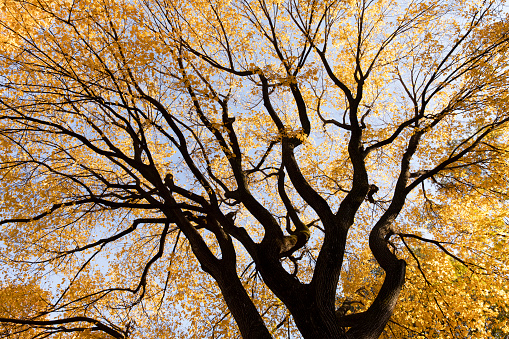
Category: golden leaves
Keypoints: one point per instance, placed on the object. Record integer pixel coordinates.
(101, 99)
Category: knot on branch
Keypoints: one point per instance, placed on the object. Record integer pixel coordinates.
(296, 241)
(228, 121)
(168, 180)
(372, 190)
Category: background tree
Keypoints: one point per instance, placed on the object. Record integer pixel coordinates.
(301, 153)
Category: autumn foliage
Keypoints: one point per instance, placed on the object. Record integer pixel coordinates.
(254, 168)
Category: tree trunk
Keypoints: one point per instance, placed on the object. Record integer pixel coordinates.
(249, 321)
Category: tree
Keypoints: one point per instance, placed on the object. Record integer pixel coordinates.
(306, 155)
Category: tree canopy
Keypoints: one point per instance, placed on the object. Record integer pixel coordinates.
(254, 168)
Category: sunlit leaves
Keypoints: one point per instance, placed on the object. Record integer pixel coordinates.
(137, 137)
